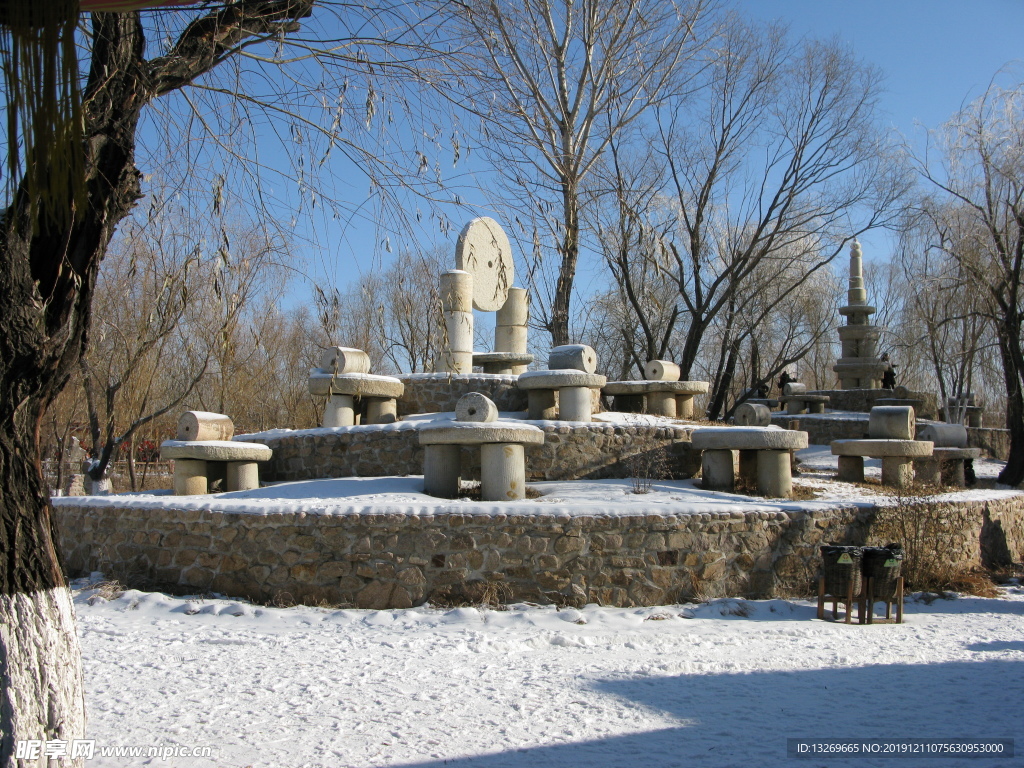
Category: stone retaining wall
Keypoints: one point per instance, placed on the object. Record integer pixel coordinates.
(373, 560)
(439, 392)
(995, 442)
(821, 430)
(865, 399)
(569, 452)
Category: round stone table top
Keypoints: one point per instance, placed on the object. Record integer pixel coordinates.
(477, 433)
(747, 439)
(954, 454)
(562, 377)
(361, 384)
(214, 450)
(484, 251)
(645, 387)
(881, 448)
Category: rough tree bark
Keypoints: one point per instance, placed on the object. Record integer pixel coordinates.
(47, 277)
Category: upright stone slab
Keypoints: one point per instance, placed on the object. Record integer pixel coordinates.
(483, 250)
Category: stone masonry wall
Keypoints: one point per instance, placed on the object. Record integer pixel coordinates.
(398, 560)
(569, 452)
(439, 392)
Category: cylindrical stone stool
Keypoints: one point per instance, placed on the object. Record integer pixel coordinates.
(661, 370)
(662, 403)
(202, 425)
(717, 471)
(344, 360)
(502, 472)
(577, 357)
(242, 475)
(189, 477)
(574, 404)
(340, 411)
(474, 406)
(441, 470)
(752, 415)
(891, 422)
(774, 477)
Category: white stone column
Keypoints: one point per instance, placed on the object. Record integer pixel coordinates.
(190, 477)
(717, 471)
(441, 470)
(457, 309)
(243, 476)
(510, 329)
(574, 404)
(502, 472)
(662, 403)
(774, 478)
(684, 406)
(340, 411)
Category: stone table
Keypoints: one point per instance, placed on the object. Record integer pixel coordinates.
(574, 401)
(897, 458)
(502, 457)
(379, 392)
(764, 457)
(673, 399)
(505, 363)
(198, 463)
(945, 466)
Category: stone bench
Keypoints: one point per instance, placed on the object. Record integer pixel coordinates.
(764, 459)
(945, 466)
(380, 393)
(562, 394)
(673, 399)
(502, 457)
(897, 458)
(504, 363)
(198, 464)
(799, 403)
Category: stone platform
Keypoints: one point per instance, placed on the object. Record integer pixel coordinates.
(349, 552)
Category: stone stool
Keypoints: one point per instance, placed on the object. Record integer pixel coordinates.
(196, 464)
(946, 464)
(673, 399)
(502, 457)
(379, 392)
(574, 401)
(897, 458)
(764, 457)
(506, 363)
(797, 399)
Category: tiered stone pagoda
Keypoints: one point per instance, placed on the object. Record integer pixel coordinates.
(859, 367)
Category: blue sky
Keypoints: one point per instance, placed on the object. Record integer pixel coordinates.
(935, 56)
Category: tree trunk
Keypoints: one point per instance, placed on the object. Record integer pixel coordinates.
(569, 251)
(1013, 372)
(47, 276)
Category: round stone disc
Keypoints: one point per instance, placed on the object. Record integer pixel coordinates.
(484, 251)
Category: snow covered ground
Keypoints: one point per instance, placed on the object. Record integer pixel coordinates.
(721, 684)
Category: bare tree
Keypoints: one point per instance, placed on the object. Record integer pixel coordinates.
(978, 179)
(55, 234)
(555, 82)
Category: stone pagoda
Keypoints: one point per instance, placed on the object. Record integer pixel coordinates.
(859, 367)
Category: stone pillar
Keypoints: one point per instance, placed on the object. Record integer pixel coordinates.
(661, 404)
(851, 469)
(794, 407)
(457, 309)
(441, 470)
(684, 406)
(897, 471)
(928, 471)
(340, 411)
(190, 477)
(510, 330)
(953, 473)
(748, 468)
(381, 410)
(542, 404)
(774, 478)
(574, 404)
(502, 472)
(717, 471)
(242, 475)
